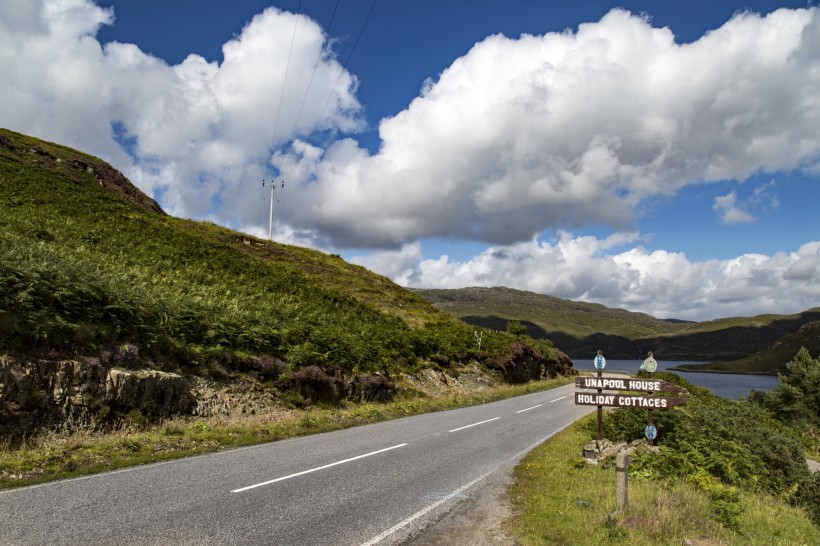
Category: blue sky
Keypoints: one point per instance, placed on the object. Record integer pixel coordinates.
(657, 156)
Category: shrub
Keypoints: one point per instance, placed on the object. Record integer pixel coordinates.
(516, 328)
(720, 444)
(796, 398)
(372, 388)
(440, 360)
(316, 384)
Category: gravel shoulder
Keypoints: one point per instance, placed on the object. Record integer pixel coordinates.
(476, 520)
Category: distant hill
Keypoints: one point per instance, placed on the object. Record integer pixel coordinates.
(773, 358)
(579, 328)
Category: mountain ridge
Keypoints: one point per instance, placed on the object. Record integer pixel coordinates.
(749, 344)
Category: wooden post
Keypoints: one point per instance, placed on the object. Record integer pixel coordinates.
(621, 468)
(600, 413)
(649, 416)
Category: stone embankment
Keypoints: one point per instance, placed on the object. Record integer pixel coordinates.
(69, 395)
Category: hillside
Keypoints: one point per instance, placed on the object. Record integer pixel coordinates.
(772, 358)
(94, 273)
(580, 329)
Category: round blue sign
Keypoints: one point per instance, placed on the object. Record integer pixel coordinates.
(650, 432)
(600, 362)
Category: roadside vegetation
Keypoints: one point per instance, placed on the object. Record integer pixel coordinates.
(795, 400)
(55, 456)
(558, 499)
(733, 471)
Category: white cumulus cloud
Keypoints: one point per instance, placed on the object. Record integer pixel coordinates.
(730, 213)
(520, 136)
(661, 283)
(197, 134)
(525, 134)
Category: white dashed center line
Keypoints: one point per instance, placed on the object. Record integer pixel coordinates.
(474, 424)
(302, 473)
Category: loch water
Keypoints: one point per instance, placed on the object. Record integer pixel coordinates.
(727, 385)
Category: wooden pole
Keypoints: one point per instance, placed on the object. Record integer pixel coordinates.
(600, 413)
(621, 468)
(649, 417)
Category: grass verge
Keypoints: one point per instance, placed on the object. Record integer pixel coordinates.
(58, 457)
(559, 499)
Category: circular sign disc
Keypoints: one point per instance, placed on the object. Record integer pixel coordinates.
(650, 432)
(650, 365)
(600, 362)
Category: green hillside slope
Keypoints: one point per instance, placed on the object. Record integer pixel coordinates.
(773, 358)
(91, 268)
(578, 328)
(581, 328)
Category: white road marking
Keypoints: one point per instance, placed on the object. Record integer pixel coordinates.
(474, 424)
(423, 511)
(528, 409)
(302, 473)
(455, 494)
(557, 399)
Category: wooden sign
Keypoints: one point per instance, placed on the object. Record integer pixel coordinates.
(628, 384)
(627, 401)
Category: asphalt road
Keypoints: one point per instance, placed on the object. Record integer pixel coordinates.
(375, 484)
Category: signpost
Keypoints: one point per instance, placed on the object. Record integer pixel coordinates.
(628, 384)
(621, 393)
(600, 364)
(627, 401)
(590, 392)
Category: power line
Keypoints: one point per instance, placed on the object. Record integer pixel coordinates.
(310, 82)
(344, 66)
(287, 69)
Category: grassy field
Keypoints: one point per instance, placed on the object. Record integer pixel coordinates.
(560, 500)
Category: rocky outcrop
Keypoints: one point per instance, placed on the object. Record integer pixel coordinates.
(69, 395)
(433, 383)
(522, 363)
(602, 451)
(240, 397)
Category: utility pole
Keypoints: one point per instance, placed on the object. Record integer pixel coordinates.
(272, 184)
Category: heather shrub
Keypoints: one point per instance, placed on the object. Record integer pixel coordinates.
(315, 384)
(721, 445)
(371, 388)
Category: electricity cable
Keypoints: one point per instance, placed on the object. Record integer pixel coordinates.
(344, 66)
(287, 69)
(310, 82)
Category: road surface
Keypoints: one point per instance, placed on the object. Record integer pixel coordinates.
(376, 484)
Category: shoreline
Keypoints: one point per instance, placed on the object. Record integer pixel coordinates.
(677, 369)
